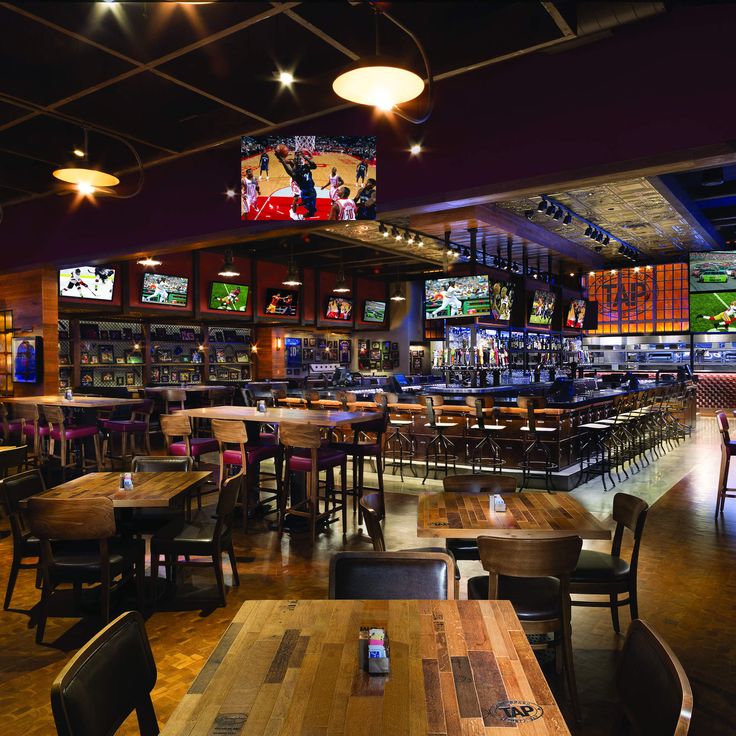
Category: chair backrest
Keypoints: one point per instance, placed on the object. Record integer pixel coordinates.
(29, 412)
(375, 426)
(311, 397)
(293, 434)
(226, 502)
(478, 483)
(629, 512)
(381, 401)
(174, 396)
(161, 464)
(13, 458)
(75, 519)
(479, 404)
(54, 415)
(531, 557)
(276, 394)
(106, 680)
(15, 489)
(428, 402)
(373, 512)
(392, 576)
(229, 431)
(143, 410)
(249, 398)
(345, 398)
(654, 690)
(722, 422)
(175, 425)
(219, 396)
(531, 404)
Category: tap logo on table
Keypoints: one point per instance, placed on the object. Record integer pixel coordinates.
(517, 711)
(628, 294)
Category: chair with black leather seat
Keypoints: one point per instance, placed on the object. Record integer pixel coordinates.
(467, 549)
(13, 490)
(103, 559)
(653, 688)
(534, 574)
(599, 573)
(208, 538)
(111, 676)
(391, 576)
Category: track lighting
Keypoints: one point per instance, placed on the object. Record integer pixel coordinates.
(588, 231)
(558, 214)
(568, 219)
(550, 210)
(408, 237)
(542, 206)
(419, 242)
(383, 229)
(395, 232)
(529, 214)
(606, 240)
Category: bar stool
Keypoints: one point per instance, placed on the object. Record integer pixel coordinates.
(35, 427)
(137, 425)
(248, 458)
(174, 399)
(595, 452)
(728, 450)
(398, 445)
(535, 432)
(10, 426)
(304, 453)
(488, 441)
(439, 444)
(71, 441)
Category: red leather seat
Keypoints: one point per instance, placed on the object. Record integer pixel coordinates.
(75, 433)
(301, 460)
(123, 425)
(31, 430)
(198, 446)
(254, 454)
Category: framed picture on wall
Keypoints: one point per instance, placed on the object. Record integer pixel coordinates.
(83, 357)
(155, 374)
(186, 334)
(86, 378)
(217, 336)
(106, 354)
(120, 360)
(163, 355)
(107, 377)
(89, 332)
(130, 378)
(104, 335)
(231, 336)
(119, 380)
(241, 356)
(174, 376)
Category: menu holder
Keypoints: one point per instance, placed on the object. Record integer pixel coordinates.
(374, 656)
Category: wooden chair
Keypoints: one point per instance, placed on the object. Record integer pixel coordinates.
(111, 676)
(13, 490)
(137, 425)
(598, 573)
(728, 450)
(391, 576)
(653, 689)
(248, 458)
(88, 519)
(467, 549)
(208, 538)
(175, 399)
(304, 454)
(534, 574)
(10, 427)
(71, 440)
(32, 428)
(536, 433)
(15, 459)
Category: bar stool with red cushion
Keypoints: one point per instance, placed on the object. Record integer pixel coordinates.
(177, 431)
(137, 425)
(305, 453)
(227, 433)
(71, 441)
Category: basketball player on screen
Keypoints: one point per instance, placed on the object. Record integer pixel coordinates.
(263, 166)
(300, 171)
(724, 318)
(332, 183)
(251, 191)
(342, 207)
(360, 171)
(366, 201)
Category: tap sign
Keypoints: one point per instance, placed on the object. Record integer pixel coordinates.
(627, 299)
(517, 711)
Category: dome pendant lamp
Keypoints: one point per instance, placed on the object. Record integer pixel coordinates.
(86, 179)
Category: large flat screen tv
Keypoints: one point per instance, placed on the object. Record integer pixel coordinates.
(281, 302)
(87, 282)
(543, 305)
(339, 307)
(464, 296)
(713, 271)
(374, 311)
(158, 288)
(502, 299)
(576, 314)
(713, 311)
(228, 297)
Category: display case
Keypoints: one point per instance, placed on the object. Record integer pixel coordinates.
(66, 355)
(229, 354)
(176, 354)
(107, 354)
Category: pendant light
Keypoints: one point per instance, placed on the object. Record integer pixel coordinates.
(292, 273)
(228, 270)
(341, 285)
(398, 295)
(383, 81)
(149, 262)
(86, 179)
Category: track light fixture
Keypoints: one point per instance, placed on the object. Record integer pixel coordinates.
(529, 214)
(542, 206)
(568, 219)
(588, 231)
(558, 214)
(383, 229)
(419, 242)
(395, 232)
(550, 210)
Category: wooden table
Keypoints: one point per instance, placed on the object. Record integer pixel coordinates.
(529, 514)
(78, 402)
(276, 415)
(150, 490)
(291, 667)
(189, 388)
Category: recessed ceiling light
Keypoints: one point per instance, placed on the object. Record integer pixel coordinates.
(415, 149)
(286, 78)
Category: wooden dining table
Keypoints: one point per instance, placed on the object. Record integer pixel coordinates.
(276, 415)
(150, 490)
(190, 388)
(289, 667)
(528, 514)
(78, 402)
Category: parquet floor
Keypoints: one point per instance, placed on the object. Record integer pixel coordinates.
(687, 591)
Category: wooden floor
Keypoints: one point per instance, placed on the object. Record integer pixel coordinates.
(687, 591)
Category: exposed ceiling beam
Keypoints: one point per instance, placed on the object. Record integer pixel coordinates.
(564, 22)
(320, 34)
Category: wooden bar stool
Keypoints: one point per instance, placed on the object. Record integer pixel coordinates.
(304, 453)
(728, 450)
(138, 425)
(439, 445)
(10, 427)
(34, 427)
(398, 446)
(536, 433)
(71, 441)
(248, 458)
(175, 399)
(489, 429)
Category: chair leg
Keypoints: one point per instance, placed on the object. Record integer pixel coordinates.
(123, 449)
(633, 602)
(12, 577)
(43, 611)
(614, 613)
(344, 495)
(98, 456)
(217, 562)
(233, 564)
(570, 673)
(105, 599)
(140, 572)
(155, 562)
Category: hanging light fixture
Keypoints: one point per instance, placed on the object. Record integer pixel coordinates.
(149, 262)
(398, 295)
(86, 179)
(228, 270)
(341, 285)
(292, 273)
(382, 81)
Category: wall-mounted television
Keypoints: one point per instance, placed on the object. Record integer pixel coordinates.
(228, 297)
(543, 305)
(502, 299)
(463, 296)
(374, 311)
(159, 288)
(87, 282)
(281, 302)
(576, 314)
(713, 271)
(713, 311)
(27, 359)
(339, 307)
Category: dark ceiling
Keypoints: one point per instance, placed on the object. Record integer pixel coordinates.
(175, 77)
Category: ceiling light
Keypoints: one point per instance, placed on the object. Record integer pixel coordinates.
(230, 193)
(542, 206)
(529, 214)
(395, 232)
(286, 78)
(568, 219)
(228, 269)
(84, 188)
(558, 213)
(591, 273)
(408, 236)
(383, 229)
(588, 231)
(292, 276)
(148, 262)
(550, 210)
(636, 269)
(419, 242)
(415, 149)
(85, 178)
(78, 152)
(599, 236)
(597, 248)
(534, 275)
(606, 240)
(341, 285)
(398, 295)
(572, 275)
(378, 81)
(613, 271)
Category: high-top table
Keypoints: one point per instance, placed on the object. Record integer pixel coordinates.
(78, 402)
(276, 415)
(528, 514)
(291, 667)
(190, 388)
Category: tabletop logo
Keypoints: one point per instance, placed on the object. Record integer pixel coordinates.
(517, 711)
